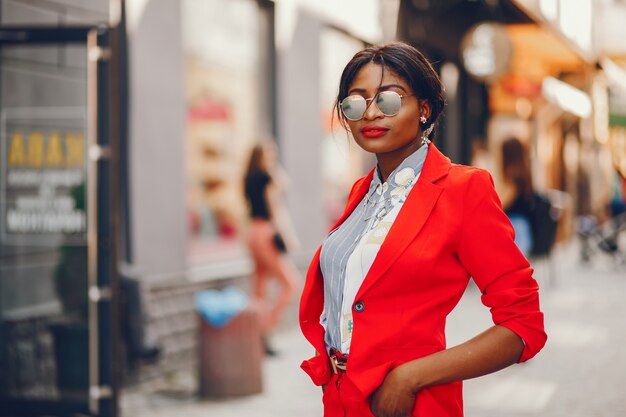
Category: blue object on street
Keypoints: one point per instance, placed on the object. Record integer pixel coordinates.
(523, 233)
(218, 308)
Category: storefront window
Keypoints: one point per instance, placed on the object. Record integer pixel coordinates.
(221, 44)
(342, 160)
(43, 223)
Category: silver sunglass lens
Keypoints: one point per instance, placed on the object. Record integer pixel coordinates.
(353, 107)
(389, 102)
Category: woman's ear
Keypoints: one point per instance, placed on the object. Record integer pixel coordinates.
(424, 109)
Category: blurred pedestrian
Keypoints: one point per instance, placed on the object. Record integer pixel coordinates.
(415, 229)
(532, 214)
(269, 236)
(516, 191)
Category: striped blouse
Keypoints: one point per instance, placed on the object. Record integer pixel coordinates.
(349, 250)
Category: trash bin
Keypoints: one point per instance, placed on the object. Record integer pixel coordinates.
(231, 350)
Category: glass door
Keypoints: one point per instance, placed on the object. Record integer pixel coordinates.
(55, 242)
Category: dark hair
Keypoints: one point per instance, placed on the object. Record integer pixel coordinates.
(255, 165)
(405, 61)
(255, 162)
(516, 167)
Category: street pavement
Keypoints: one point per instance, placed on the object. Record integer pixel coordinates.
(580, 372)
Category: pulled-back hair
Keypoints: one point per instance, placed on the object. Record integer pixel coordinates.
(403, 60)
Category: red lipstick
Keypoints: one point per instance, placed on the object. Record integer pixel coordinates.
(374, 131)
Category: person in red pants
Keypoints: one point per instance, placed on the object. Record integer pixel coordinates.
(268, 236)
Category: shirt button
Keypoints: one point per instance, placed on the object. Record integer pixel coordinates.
(359, 306)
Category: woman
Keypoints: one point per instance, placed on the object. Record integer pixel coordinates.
(415, 229)
(516, 191)
(262, 186)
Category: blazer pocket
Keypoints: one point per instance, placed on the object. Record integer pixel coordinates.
(440, 400)
(400, 355)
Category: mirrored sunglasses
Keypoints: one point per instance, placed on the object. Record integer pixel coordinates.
(388, 102)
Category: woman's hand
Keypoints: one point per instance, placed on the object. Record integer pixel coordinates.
(492, 350)
(395, 397)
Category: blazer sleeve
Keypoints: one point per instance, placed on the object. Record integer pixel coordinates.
(488, 251)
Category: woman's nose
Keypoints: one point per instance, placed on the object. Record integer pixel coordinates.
(372, 111)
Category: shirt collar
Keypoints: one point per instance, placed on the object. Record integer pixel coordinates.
(415, 162)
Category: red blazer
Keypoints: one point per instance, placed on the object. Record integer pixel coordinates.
(450, 228)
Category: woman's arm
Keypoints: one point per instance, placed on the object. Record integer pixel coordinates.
(490, 351)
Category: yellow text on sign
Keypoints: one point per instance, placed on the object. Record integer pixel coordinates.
(54, 151)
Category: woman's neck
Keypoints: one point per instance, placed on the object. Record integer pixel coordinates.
(389, 161)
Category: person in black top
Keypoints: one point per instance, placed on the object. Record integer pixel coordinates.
(262, 187)
(256, 184)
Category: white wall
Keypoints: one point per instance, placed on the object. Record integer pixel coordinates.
(157, 134)
(300, 131)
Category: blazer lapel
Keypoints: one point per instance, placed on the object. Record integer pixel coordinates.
(412, 216)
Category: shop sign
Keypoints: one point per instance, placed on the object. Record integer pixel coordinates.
(486, 51)
(42, 186)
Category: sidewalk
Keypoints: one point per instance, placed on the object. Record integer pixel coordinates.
(287, 391)
(581, 372)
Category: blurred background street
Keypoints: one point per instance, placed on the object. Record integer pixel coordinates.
(126, 134)
(579, 373)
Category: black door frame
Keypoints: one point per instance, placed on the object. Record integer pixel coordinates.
(102, 191)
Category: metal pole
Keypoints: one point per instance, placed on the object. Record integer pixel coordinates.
(92, 211)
